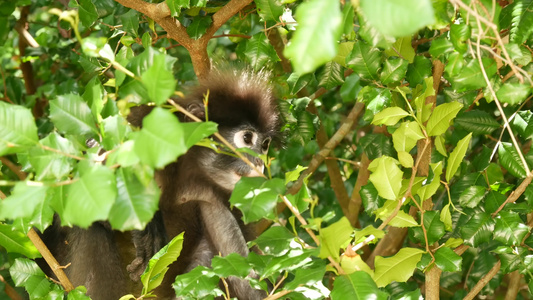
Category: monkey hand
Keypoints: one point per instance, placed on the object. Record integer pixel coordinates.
(136, 268)
(147, 243)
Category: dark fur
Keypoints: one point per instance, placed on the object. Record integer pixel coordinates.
(192, 200)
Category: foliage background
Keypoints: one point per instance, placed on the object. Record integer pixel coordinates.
(406, 163)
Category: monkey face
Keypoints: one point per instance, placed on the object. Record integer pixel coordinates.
(225, 169)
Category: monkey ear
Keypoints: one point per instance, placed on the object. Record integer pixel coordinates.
(196, 109)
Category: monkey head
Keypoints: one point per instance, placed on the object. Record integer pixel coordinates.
(243, 106)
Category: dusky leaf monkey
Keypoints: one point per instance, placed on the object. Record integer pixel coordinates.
(194, 199)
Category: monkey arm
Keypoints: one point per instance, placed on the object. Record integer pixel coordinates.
(225, 235)
(223, 229)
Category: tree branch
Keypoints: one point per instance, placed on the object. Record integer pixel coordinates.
(9, 290)
(50, 260)
(483, 282)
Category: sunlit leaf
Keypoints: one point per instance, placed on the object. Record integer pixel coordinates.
(159, 264)
(316, 18)
(17, 128)
(439, 121)
(399, 267)
(386, 177)
(398, 18)
(256, 197)
(457, 156)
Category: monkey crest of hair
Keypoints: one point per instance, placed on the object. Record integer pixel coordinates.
(238, 94)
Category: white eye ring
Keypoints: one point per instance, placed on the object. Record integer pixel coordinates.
(266, 144)
(245, 138)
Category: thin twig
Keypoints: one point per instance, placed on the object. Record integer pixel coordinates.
(483, 282)
(50, 259)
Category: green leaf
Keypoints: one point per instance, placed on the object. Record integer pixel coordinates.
(394, 70)
(256, 197)
(259, 52)
(307, 277)
(49, 164)
(158, 80)
(269, 10)
(115, 130)
(471, 77)
(175, 6)
(457, 156)
(159, 264)
(15, 241)
(316, 18)
(394, 18)
(72, 115)
(130, 22)
(429, 189)
(402, 48)
(275, 241)
(522, 21)
(375, 100)
(231, 265)
(399, 267)
(478, 229)
(418, 70)
(459, 34)
(335, 237)
(136, 200)
(344, 50)
(406, 136)
(386, 177)
(472, 195)
(158, 145)
(401, 220)
(357, 286)
(455, 64)
(24, 200)
(91, 197)
(446, 217)
(523, 124)
(510, 229)
(87, 12)
(513, 93)
(199, 26)
(331, 75)
(361, 234)
(440, 46)
(510, 160)
(519, 54)
(477, 121)
(365, 60)
(27, 273)
(389, 116)
(371, 200)
(439, 121)
(17, 129)
(447, 260)
(434, 227)
(93, 96)
(199, 283)
(376, 145)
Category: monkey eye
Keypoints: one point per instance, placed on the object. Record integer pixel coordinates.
(266, 144)
(248, 138)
